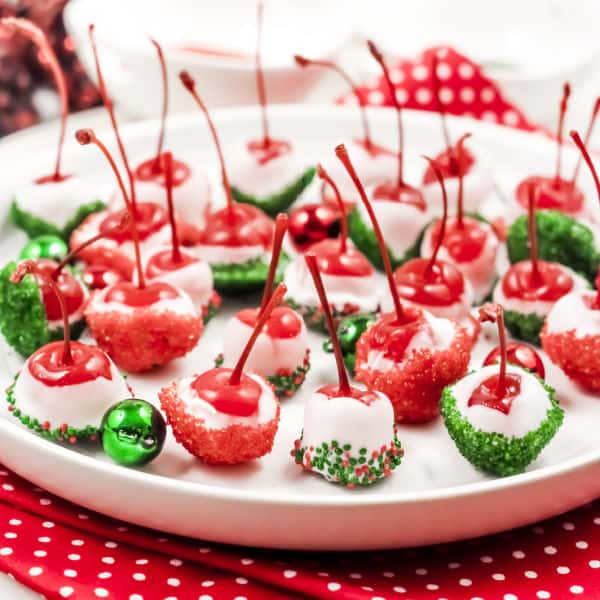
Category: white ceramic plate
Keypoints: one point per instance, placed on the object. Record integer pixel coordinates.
(434, 496)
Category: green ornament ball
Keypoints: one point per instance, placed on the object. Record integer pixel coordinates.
(348, 332)
(44, 246)
(133, 432)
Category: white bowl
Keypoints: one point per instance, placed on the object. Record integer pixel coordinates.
(132, 72)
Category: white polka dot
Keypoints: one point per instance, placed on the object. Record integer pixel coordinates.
(375, 97)
(466, 71)
(173, 581)
(563, 570)
(322, 574)
(65, 591)
(241, 580)
(396, 75)
(108, 560)
(568, 526)
(204, 550)
(205, 597)
(176, 562)
(487, 95)
(510, 597)
(6, 551)
(35, 571)
(432, 587)
(399, 589)
(498, 576)
(8, 487)
(420, 72)
(10, 535)
(510, 117)
(15, 522)
(543, 594)
(486, 559)
(333, 587)
(531, 574)
(247, 561)
(141, 561)
(443, 71)
(40, 553)
(596, 520)
(421, 571)
(423, 96)
(136, 597)
(550, 550)
(44, 539)
(83, 516)
(576, 589)
(77, 542)
(580, 544)
(402, 96)
(453, 565)
(48, 524)
(489, 116)
(240, 598)
(207, 583)
(594, 564)
(446, 95)
(518, 554)
(289, 574)
(141, 576)
(45, 501)
(70, 573)
(464, 581)
(101, 593)
(366, 588)
(104, 575)
(389, 574)
(73, 557)
(111, 544)
(358, 575)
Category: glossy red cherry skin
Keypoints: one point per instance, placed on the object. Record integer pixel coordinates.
(162, 262)
(97, 277)
(443, 285)
(46, 365)
(333, 391)
(313, 223)
(151, 171)
(70, 288)
(331, 261)
(450, 165)
(487, 394)
(239, 400)
(518, 354)
(553, 283)
(551, 194)
(131, 295)
(463, 244)
(150, 218)
(284, 323)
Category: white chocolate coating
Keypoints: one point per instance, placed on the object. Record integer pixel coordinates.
(572, 313)
(527, 412)
(217, 254)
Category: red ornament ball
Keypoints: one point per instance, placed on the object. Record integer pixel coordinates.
(313, 223)
(521, 355)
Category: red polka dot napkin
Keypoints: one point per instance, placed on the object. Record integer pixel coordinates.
(464, 89)
(63, 551)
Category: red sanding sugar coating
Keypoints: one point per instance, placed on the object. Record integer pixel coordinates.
(156, 337)
(415, 386)
(230, 445)
(579, 357)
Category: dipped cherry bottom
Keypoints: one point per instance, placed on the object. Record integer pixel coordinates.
(219, 422)
(143, 328)
(412, 361)
(571, 338)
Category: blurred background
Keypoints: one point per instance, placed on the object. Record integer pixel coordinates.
(529, 47)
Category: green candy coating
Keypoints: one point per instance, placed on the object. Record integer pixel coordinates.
(44, 246)
(133, 432)
(280, 202)
(524, 327)
(560, 239)
(496, 453)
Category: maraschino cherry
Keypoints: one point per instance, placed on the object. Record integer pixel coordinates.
(522, 355)
(312, 223)
(497, 391)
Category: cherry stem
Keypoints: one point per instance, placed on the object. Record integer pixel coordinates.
(495, 314)
(260, 76)
(532, 226)
(190, 85)
(378, 56)
(99, 236)
(324, 175)
(278, 294)
(30, 267)
(165, 103)
(39, 39)
(167, 168)
(113, 120)
(311, 263)
(301, 61)
(87, 136)
(559, 134)
(281, 224)
(440, 240)
(459, 200)
(441, 108)
(586, 139)
(342, 154)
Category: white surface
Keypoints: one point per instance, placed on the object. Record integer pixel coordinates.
(271, 502)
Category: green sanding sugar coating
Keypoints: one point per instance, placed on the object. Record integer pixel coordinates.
(560, 239)
(239, 278)
(524, 327)
(279, 202)
(35, 226)
(62, 433)
(365, 240)
(349, 466)
(496, 453)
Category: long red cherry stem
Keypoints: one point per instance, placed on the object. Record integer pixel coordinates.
(29, 267)
(281, 224)
(167, 168)
(190, 85)
(303, 62)
(86, 137)
(459, 200)
(586, 139)
(342, 154)
(495, 314)
(441, 107)
(440, 239)
(165, 103)
(123, 224)
(532, 225)
(343, 382)
(49, 59)
(378, 56)
(324, 175)
(559, 133)
(260, 76)
(278, 294)
(113, 120)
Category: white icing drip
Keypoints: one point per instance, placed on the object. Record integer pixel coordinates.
(572, 313)
(77, 405)
(213, 419)
(228, 255)
(268, 354)
(527, 412)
